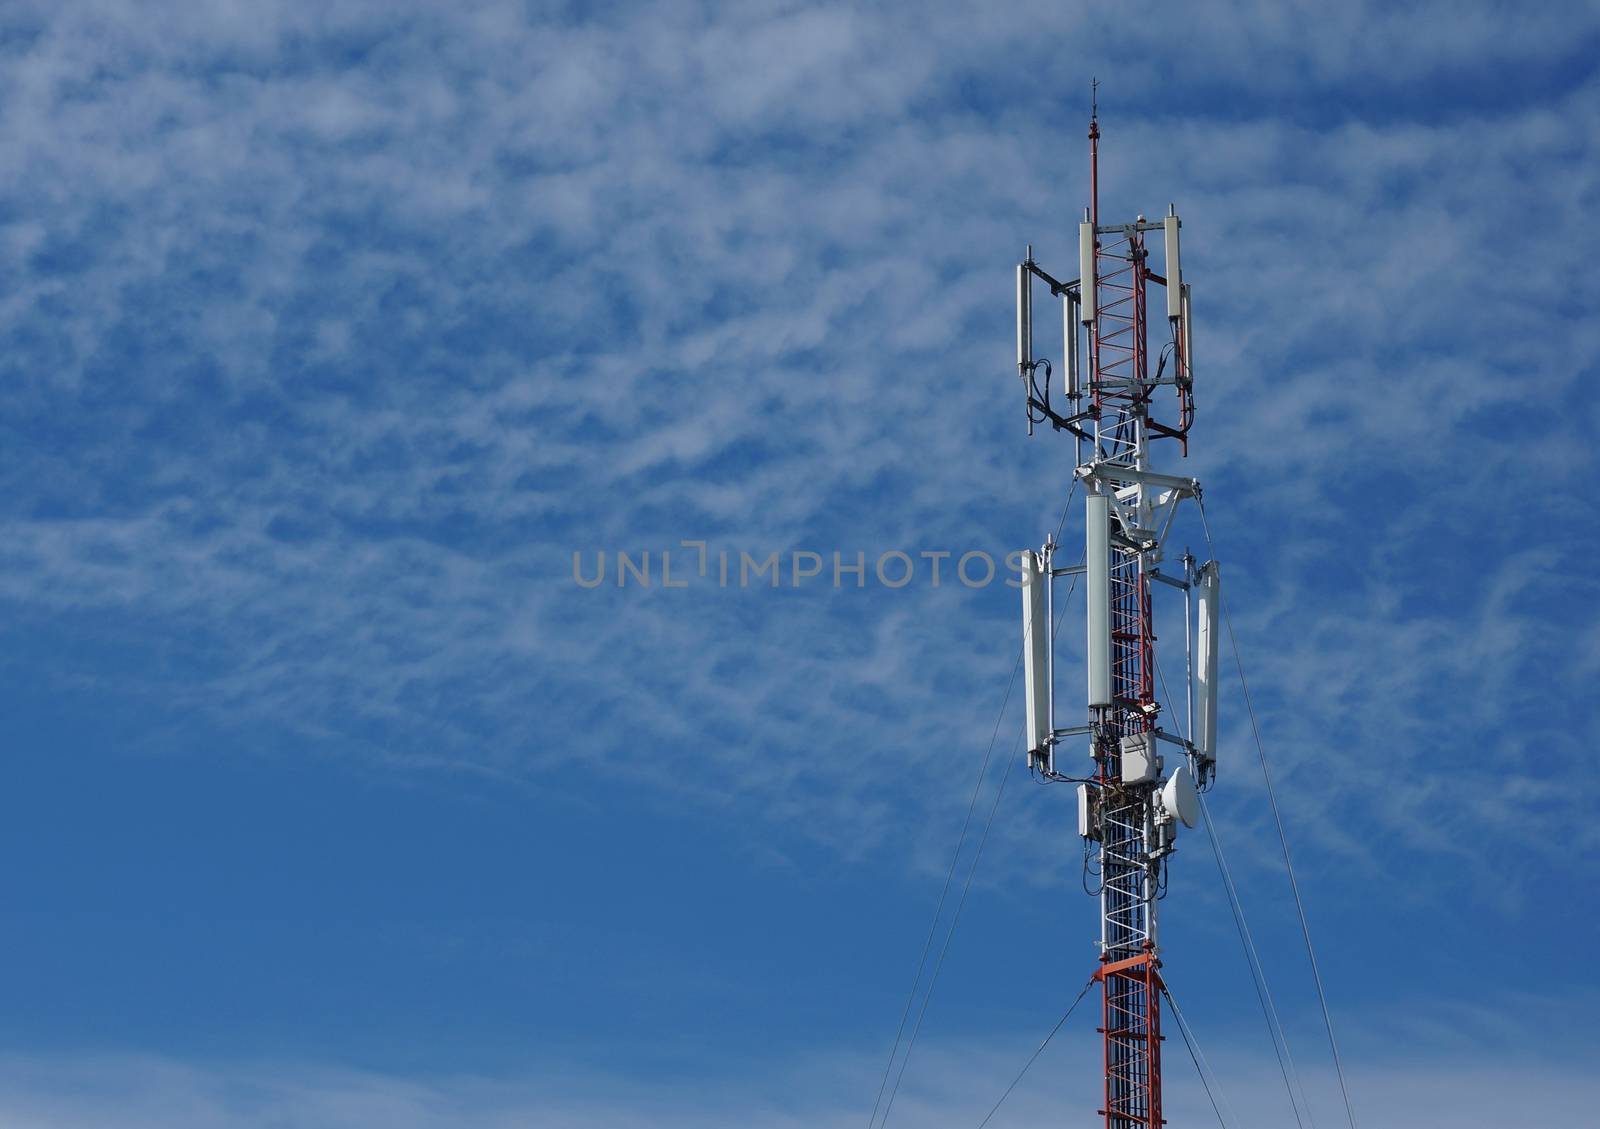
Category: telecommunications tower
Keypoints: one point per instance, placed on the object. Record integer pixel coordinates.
(1117, 406)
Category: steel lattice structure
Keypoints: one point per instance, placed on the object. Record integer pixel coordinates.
(1128, 814)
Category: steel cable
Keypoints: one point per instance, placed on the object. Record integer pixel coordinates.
(1283, 840)
(933, 926)
(948, 937)
(1252, 959)
(1039, 1051)
(1196, 1056)
(955, 858)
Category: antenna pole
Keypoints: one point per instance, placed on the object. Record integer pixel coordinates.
(1094, 152)
(1127, 811)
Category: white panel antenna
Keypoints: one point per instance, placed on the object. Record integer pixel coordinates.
(1036, 655)
(1097, 593)
(1024, 319)
(1188, 335)
(1174, 269)
(1209, 585)
(1086, 273)
(1069, 344)
(1141, 762)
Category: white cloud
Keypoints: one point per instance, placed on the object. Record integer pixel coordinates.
(353, 322)
(947, 1086)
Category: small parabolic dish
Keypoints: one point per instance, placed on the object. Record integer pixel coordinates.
(1179, 797)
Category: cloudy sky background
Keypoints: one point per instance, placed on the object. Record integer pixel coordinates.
(331, 331)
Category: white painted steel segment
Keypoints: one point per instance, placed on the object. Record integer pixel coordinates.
(1121, 475)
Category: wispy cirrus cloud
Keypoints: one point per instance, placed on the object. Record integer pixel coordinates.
(332, 334)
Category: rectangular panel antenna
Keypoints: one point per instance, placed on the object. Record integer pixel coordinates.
(1069, 344)
(1188, 335)
(1174, 269)
(1097, 593)
(1205, 668)
(1086, 273)
(1141, 763)
(1036, 654)
(1024, 319)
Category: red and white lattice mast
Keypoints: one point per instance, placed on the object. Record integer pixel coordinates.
(1129, 805)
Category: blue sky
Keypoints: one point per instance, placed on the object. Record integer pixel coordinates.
(329, 332)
